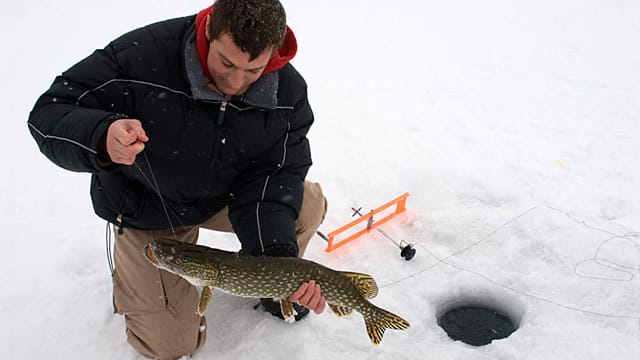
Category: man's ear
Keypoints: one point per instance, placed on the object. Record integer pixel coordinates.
(206, 28)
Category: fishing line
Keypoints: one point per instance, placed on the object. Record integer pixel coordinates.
(601, 261)
(540, 298)
(613, 265)
(443, 260)
(156, 188)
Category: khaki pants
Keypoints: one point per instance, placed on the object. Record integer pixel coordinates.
(159, 307)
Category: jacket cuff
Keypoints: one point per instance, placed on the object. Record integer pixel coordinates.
(281, 250)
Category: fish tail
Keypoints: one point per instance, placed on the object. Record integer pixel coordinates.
(379, 320)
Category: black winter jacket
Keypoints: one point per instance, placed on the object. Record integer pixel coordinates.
(250, 153)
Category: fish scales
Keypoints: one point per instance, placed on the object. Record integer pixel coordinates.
(272, 277)
(278, 277)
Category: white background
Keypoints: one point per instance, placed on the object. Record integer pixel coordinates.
(513, 124)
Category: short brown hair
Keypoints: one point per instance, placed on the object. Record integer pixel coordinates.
(254, 25)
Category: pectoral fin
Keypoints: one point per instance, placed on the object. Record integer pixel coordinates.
(340, 311)
(205, 298)
(288, 312)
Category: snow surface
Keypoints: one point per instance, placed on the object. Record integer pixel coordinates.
(515, 126)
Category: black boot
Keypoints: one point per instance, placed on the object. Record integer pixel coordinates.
(274, 308)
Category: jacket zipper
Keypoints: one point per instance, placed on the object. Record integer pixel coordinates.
(219, 142)
(223, 109)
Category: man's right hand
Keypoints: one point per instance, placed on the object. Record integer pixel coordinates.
(125, 139)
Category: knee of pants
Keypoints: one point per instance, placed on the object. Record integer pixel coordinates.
(165, 334)
(314, 207)
(312, 213)
(160, 310)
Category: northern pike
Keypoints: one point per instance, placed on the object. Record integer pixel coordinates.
(272, 277)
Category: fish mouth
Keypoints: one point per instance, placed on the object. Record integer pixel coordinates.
(148, 253)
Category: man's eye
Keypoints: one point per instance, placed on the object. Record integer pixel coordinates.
(227, 64)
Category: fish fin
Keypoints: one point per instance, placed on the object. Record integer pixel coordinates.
(379, 321)
(205, 298)
(365, 283)
(340, 311)
(288, 312)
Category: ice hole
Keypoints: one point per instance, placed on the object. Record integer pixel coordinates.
(478, 320)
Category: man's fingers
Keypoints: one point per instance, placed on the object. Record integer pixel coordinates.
(306, 297)
(315, 297)
(310, 296)
(132, 149)
(128, 131)
(126, 155)
(298, 293)
(125, 140)
(137, 129)
(136, 148)
(320, 307)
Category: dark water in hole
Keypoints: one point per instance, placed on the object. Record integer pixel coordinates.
(476, 325)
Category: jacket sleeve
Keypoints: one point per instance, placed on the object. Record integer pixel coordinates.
(69, 120)
(266, 203)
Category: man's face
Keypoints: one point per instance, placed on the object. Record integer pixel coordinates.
(231, 69)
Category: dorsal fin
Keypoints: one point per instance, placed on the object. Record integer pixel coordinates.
(365, 284)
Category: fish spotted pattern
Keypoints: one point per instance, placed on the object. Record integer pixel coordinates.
(272, 277)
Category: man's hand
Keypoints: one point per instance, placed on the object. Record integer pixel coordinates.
(310, 296)
(125, 140)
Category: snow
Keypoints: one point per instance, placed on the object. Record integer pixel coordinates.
(515, 127)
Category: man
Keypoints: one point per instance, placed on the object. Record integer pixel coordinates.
(195, 122)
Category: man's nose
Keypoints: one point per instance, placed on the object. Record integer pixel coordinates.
(235, 79)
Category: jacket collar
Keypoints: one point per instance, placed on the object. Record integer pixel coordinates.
(262, 94)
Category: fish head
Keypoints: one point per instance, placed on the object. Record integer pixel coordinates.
(182, 259)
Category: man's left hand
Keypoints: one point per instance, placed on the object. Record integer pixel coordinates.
(310, 296)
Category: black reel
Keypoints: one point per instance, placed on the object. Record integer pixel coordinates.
(407, 252)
